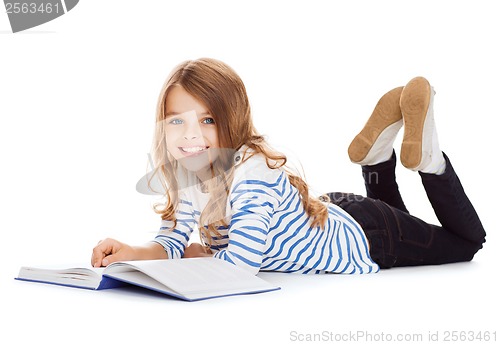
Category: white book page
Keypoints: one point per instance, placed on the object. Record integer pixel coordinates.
(80, 275)
(194, 278)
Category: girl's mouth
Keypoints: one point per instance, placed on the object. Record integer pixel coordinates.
(193, 150)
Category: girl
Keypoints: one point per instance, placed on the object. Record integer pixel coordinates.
(221, 177)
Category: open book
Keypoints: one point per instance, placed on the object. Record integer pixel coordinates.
(188, 279)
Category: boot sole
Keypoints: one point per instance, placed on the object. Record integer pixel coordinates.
(414, 103)
(386, 113)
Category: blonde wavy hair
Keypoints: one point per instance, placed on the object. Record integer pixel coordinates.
(220, 89)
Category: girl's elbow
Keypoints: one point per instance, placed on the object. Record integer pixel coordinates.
(250, 268)
(245, 264)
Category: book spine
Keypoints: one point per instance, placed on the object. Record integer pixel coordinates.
(110, 283)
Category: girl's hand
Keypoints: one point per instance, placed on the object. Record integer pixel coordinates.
(109, 250)
(195, 250)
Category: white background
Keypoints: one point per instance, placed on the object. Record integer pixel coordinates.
(77, 102)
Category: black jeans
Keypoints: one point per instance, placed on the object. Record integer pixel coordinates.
(399, 239)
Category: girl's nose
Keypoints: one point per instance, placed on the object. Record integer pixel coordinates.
(192, 131)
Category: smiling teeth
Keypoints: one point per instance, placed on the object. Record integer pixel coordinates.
(193, 149)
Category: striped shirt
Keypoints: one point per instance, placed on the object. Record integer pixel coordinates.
(269, 230)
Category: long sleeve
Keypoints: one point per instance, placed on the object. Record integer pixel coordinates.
(253, 201)
(174, 241)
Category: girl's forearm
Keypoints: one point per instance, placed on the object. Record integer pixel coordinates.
(149, 251)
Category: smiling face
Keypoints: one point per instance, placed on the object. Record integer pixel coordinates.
(191, 132)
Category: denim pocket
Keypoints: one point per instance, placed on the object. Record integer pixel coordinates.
(412, 230)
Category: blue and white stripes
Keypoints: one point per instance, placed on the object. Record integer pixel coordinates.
(175, 241)
(270, 231)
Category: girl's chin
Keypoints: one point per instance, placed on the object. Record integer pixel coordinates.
(196, 163)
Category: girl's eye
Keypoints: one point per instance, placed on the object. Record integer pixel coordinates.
(208, 121)
(175, 121)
